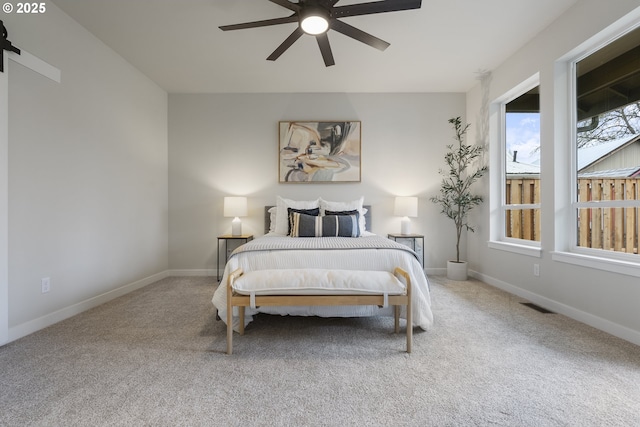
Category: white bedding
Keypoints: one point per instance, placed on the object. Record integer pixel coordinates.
(345, 257)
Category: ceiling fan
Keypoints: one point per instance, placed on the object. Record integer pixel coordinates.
(317, 17)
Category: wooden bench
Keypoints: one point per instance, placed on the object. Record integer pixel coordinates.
(380, 288)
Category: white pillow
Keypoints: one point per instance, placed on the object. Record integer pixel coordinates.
(326, 205)
(282, 214)
(363, 221)
(273, 212)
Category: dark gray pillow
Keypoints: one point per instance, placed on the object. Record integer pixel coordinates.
(353, 212)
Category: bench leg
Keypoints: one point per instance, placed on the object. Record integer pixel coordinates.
(241, 317)
(230, 334)
(230, 281)
(409, 319)
(396, 318)
(407, 280)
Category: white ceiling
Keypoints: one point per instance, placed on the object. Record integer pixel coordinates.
(439, 48)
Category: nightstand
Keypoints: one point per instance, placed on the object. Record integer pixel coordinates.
(225, 238)
(410, 240)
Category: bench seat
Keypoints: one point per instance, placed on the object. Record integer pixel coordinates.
(313, 287)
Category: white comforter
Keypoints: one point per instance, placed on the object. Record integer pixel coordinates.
(378, 254)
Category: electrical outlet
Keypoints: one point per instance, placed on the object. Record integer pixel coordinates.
(536, 270)
(45, 283)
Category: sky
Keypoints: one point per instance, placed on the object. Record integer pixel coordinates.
(523, 136)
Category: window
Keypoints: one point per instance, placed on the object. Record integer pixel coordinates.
(521, 191)
(606, 199)
(514, 127)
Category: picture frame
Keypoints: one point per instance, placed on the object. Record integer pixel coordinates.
(319, 151)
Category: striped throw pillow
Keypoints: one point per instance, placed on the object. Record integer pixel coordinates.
(303, 225)
(314, 212)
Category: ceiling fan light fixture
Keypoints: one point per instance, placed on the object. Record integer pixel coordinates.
(316, 17)
(314, 21)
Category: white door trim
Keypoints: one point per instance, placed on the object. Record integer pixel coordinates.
(39, 66)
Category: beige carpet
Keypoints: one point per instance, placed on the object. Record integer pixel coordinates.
(156, 357)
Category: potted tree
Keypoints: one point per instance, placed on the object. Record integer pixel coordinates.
(455, 197)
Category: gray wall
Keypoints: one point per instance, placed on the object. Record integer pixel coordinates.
(227, 144)
(607, 300)
(87, 190)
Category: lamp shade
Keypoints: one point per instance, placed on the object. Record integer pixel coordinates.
(406, 206)
(235, 206)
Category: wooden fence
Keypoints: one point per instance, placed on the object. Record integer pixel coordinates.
(523, 223)
(602, 228)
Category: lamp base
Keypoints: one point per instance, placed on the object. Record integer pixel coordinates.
(236, 227)
(405, 226)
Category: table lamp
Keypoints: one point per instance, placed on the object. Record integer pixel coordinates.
(406, 207)
(235, 207)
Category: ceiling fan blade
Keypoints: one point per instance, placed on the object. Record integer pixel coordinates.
(286, 3)
(263, 23)
(325, 49)
(297, 33)
(375, 7)
(359, 35)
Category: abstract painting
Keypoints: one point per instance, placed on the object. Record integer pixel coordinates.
(319, 152)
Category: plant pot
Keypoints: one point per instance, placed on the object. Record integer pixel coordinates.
(457, 270)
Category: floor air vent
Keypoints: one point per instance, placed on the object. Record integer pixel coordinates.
(536, 307)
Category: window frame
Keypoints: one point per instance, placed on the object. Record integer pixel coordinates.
(499, 239)
(565, 150)
(609, 258)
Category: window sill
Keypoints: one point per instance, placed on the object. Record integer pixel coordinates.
(532, 251)
(607, 264)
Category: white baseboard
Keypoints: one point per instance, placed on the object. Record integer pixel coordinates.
(194, 272)
(435, 271)
(605, 325)
(24, 329)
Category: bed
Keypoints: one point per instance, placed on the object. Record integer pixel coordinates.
(277, 249)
